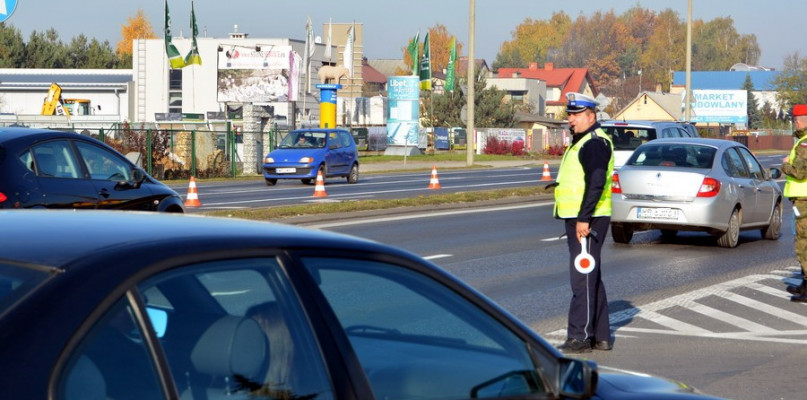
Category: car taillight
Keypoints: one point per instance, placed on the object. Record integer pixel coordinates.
(615, 186)
(3, 197)
(709, 188)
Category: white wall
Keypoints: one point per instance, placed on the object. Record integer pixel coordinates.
(150, 66)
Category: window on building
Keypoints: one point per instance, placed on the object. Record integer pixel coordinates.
(175, 91)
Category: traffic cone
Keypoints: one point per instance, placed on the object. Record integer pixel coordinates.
(319, 189)
(434, 183)
(546, 176)
(193, 197)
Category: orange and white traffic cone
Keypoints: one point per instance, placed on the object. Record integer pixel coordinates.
(434, 183)
(546, 176)
(319, 189)
(193, 196)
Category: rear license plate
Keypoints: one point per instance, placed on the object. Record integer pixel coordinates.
(286, 170)
(670, 214)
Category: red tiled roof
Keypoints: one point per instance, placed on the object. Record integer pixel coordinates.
(567, 79)
(371, 75)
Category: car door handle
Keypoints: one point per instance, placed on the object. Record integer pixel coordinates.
(104, 193)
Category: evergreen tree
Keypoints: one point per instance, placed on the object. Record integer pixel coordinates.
(12, 47)
(754, 114)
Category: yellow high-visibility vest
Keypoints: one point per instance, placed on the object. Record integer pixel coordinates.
(572, 184)
(795, 187)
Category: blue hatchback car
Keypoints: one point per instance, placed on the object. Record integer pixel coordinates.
(304, 152)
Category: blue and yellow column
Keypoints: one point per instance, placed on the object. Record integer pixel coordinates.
(327, 104)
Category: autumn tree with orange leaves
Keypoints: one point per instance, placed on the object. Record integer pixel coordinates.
(440, 39)
(136, 27)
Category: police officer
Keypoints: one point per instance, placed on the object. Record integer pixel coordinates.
(794, 166)
(583, 201)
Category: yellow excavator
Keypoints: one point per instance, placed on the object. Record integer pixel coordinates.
(53, 102)
(55, 105)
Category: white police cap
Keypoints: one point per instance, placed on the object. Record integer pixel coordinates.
(577, 102)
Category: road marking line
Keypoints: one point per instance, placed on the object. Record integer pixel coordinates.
(731, 319)
(427, 214)
(767, 308)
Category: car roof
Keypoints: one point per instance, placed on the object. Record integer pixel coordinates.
(8, 134)
(57, 238)
(719, 143)
(321, 130)
(639, 123)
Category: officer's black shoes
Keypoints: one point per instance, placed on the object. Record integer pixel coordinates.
(571, 346)
(798, 290)
(799, 298)
(604, 345)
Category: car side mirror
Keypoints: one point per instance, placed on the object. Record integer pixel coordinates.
(138, 176)
(577, 378)
(775, 173)
(333, 146)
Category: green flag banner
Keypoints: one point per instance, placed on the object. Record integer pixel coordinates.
(413, 54)
(193, 55)
(451, 70)
(174, 58)
(426, 66)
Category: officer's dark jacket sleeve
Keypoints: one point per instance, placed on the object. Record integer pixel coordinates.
(594, 157)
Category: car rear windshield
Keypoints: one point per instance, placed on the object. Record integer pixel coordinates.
(16, 282)
(629, 137)
(673, 155)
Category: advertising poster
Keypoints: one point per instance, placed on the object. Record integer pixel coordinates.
(723, 106)
(247, 75)
(404, 110)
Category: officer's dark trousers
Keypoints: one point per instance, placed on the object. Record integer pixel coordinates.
(588, 312)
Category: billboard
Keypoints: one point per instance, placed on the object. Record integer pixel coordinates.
(255, 75)
(723, 106)
(404, 110)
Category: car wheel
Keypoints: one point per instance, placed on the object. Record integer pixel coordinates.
(730, 238)
(270, 182)
(622, 233)
(353, 176)
(668, 234)
(774, 228)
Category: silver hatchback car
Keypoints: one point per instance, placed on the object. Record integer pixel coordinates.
(695, 184)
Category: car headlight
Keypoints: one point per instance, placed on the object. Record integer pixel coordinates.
(306, 160)
(268, 160)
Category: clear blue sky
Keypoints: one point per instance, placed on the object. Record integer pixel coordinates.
(778, 24)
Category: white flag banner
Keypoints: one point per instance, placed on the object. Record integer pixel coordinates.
(328, 44)
(347, 58)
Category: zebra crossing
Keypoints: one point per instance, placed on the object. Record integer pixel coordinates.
(751, 308)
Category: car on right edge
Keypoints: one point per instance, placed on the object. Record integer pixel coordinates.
(695, 184)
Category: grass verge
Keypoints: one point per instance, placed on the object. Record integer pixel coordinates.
(271, 213)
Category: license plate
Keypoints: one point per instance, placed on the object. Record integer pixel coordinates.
(670, 214)
(286, 170)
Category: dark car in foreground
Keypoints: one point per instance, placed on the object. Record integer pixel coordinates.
(695, 184)
(129, 305)
(42, 168)
(304, 153)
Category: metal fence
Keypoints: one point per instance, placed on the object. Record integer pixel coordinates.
(181, 153)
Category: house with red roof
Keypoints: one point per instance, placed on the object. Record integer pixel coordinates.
(559, 81)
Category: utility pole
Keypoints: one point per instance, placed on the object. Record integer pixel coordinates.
(471, 81)
(688, 88)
